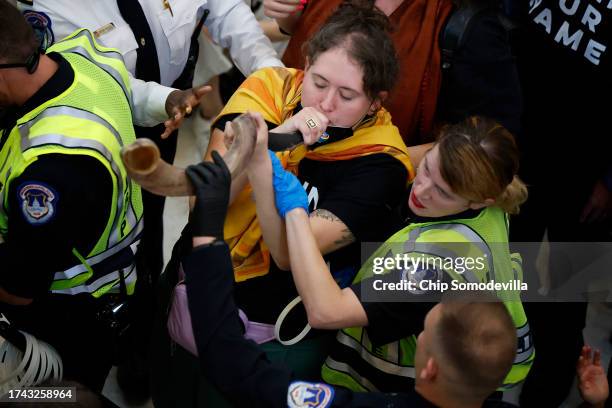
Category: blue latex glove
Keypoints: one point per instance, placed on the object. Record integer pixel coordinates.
(288, 191)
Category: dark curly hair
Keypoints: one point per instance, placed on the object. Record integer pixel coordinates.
(362, 30)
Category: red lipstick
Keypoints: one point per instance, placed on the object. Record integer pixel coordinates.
(416, 202)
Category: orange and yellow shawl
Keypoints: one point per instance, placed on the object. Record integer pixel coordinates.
(275, 92)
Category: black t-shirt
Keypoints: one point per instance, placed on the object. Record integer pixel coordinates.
(564, 60)
(577, 33)
(362, 192)
(58, 203)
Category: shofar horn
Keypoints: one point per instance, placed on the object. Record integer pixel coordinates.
(146, 167)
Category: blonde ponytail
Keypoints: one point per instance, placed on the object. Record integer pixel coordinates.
(512, 198)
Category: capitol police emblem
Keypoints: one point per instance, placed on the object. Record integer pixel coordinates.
(42, 25)
(37, 202)
(304, 394)
(415, 277)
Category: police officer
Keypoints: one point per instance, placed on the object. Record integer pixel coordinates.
(158, 40)
(70, 217)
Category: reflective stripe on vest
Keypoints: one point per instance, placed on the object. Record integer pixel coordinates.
(352, 379)
(77, 270)
(74, 142)
(397, 359)
(385, 366)
(102, 285)
(65, 281)
(525, 348)
(110, 59)
(67, 125)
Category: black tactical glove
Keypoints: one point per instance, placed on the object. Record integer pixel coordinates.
(211, 182)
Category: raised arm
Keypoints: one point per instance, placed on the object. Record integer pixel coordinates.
(253, 380)
(327, 306)
(259, 173)
(279, 194)
(330, 232)
(272, 31)
(214, 315)
(232, 25)
(285, 12)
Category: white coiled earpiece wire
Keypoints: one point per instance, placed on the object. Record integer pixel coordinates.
(18, 369)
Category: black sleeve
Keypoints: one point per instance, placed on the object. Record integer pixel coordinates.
(235, 365)
(398, 313)
(60, 203)
(365, 197)
(483, 79)
(238, 367)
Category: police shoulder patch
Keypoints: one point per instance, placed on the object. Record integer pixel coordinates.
(42, 25)
(38, 202)
(303, 394)
(421, 274)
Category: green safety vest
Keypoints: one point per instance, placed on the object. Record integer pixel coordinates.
(359, 365)
(93, 117)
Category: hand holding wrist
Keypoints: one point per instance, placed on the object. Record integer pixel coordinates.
(288, 191)
(211, 182)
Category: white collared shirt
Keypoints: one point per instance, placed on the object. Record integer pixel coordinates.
(230, 23)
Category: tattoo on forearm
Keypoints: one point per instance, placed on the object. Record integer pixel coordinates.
(326, 215)
(347, 238)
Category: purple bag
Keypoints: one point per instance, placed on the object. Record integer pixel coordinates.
(181, 331)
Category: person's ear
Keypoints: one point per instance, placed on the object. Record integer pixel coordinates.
(377, 102)
(430, 371)
(306, 63)
(486, 203)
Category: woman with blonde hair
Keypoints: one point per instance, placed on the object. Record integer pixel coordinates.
(456, 211)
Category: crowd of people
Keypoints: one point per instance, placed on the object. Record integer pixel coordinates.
(394, 141)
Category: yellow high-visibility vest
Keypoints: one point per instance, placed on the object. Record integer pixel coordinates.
(357, 364)
(92, 117)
